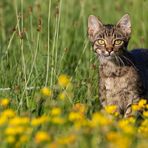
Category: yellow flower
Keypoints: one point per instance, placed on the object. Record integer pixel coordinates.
(112, 136)
(14, 130)
(145, 113)
(57, 120)
(10, 139)
(135, 107)
(4, 102)
(19, 121)
(23, 138)
(62, 95)
(56, 111)
(42, 136)
(79, 107)
(142, 103)
(127, 126)
(118, 140)
(99, 119)
(53, 145)
(67, 139)
(39, 120)
(3, 120)
(143, 129)
(111, 109)
(8, 113)
(73, 116)
(46, 91)
(63, 80)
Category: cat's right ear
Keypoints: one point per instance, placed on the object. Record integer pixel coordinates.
(125, 25)
(94, 26)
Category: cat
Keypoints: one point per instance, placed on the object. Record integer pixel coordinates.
(123, 74)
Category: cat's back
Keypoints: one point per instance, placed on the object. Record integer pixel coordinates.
(140, 57)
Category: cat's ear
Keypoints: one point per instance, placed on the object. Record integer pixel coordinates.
(94, 25)
(125, 25)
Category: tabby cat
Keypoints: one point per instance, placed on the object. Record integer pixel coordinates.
(123, 74)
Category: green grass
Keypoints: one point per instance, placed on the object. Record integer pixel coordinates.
(39, 40)
(36, 58)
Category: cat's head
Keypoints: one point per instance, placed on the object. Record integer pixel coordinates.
(109, 40)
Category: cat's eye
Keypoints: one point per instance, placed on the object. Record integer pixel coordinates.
(118, 42)
(101, 42)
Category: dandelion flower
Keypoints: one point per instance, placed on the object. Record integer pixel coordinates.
(3, 120)
(8, 113)
(42, 136)
(99, 119)
(67, 139)
(23, 138)
(19, 121)
(62, 96)
(63, 80)
(145, 114)
(4, 102)
(73, 116)
(79, 107)
(39, 120)
(56, 111)
(46, 91)
(142, 103)
(57, 120)
(10, 139)
(111, 109)
(135, 107)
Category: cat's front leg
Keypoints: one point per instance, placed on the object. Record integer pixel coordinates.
(129, 112)
(102, 94)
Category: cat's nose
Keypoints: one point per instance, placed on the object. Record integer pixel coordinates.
(109, 49)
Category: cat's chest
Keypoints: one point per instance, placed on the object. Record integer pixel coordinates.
(118, 79)
(115, 83)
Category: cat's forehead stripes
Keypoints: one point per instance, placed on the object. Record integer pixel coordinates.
(109, 31)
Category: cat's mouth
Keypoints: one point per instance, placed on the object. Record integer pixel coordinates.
(106, 54)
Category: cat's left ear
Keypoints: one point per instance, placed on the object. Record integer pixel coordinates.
(125, 25)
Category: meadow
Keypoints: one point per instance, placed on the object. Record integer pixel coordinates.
(49, 75)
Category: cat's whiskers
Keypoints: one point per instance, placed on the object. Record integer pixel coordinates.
(120, 59)
(117, 60)
(130, 62)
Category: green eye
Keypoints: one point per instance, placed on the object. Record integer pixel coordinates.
(101, 42)
(118, 42)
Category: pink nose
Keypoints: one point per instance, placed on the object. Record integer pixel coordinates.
(109, 49)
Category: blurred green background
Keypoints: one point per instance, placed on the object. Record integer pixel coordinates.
(39, 40)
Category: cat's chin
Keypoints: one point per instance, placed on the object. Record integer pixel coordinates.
(109, 57)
